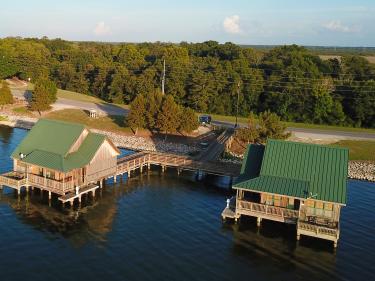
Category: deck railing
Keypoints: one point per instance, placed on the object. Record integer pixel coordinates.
(13, 179)
(50, 184)
(267, 210)
(318, 230)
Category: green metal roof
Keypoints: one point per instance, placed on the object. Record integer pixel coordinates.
(252, 162)
(323, 168)
(51, 136)
(277, 185)
(48, 143)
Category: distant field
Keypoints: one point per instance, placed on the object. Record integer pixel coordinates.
(108, 123)
(359, 150)
(371, 59)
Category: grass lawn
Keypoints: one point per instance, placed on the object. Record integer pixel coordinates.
(232, 119)
(359, 150)
(77, 96)
(107, 123)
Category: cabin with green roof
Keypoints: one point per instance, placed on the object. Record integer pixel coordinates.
(297, 183)
(61, 157)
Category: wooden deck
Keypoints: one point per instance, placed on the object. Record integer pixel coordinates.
(267, 212)
(13, 180)
(318, 231)
(71, 196)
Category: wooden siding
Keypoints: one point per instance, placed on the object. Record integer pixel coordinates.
(103, 163)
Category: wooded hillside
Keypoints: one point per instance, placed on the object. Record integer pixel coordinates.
(290, 81)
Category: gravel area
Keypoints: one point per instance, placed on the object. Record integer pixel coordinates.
(362, 170)
(140, 143)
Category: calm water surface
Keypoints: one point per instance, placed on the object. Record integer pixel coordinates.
(164, 227)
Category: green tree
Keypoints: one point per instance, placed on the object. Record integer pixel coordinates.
(270, 126)
(188, 120)
(5, 94)
(44, 95)
(250, 133)
(153, 105)
(168, 118)
(136, 117)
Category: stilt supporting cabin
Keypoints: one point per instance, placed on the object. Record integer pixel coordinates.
(61, 158)
(294, 183)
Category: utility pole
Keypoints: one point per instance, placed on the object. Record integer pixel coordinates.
(238, 101)
(163, 78)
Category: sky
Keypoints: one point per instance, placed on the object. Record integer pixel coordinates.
(253, 22)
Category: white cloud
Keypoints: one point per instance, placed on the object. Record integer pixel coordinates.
(102, 29)
(231, 24)
(337, 26)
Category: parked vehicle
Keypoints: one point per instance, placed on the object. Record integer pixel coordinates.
(205, 119)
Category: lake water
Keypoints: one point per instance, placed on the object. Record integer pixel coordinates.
(165, 227)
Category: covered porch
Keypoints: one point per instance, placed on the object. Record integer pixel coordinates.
(28, 175)
(267, 206)
(319, 219)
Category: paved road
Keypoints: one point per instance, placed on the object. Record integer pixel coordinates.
(63, 103)
(214, 150)
(315, 133)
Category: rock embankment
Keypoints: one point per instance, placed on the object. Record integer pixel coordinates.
(129, 142)
(18, 121)
(361, 170)
(140, 143)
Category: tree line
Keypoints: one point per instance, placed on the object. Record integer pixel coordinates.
(290, 81)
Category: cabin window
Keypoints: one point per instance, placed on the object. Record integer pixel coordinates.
(290, 203)
(269, 199)
(50, 174)
(328, 206)
(328, 210)
(277, 200)
(319, 208)
(310, 203)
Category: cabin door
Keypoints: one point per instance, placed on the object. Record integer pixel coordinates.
(297, 204)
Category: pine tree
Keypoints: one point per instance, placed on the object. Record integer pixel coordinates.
(168, 118)
(250, 133)
(5, 94)
(44, 95)
(188, 120)
(136, 118)
(153, 105)
(270, 126)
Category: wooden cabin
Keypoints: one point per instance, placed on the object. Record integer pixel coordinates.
(297, 183)
(59, 156)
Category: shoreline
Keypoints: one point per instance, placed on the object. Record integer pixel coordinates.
(120, 140)
(357, 170)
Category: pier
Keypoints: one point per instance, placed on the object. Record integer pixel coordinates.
(68, 193)
(73, 161)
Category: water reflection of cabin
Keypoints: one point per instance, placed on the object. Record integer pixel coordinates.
(59, 156)
(303, 184)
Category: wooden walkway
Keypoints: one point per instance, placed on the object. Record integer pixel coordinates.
(139, 160)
